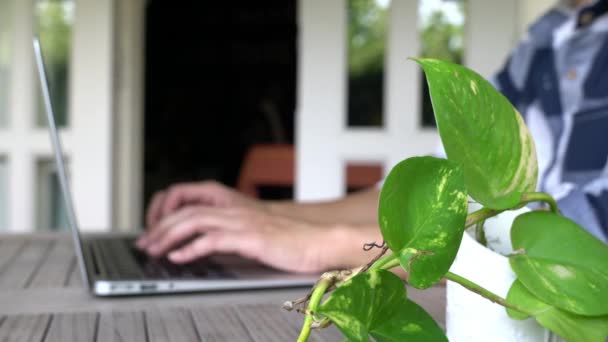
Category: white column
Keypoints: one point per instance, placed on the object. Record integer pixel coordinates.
(21, 178)
(320, 98)
(491, 33)
(91, 111)
(128, 147)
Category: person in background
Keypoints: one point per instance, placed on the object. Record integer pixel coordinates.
(557, 77)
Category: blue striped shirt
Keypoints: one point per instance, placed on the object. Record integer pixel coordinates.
(557, 77)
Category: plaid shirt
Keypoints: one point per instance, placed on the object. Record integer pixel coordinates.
(558, 79)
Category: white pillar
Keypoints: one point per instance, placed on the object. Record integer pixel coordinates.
(129, 118)
(91, 111)
(21, 178)
(491, 33)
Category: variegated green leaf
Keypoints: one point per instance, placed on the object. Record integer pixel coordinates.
(422, 211)
(375, 304)
(572, 327)
(561, 263)
(481, 130)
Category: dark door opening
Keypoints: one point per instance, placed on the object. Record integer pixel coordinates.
(219, 78)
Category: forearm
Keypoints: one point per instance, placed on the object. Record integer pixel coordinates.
(343, 245)
(357, 208)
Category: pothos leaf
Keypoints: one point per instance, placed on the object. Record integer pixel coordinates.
(423, 207)
(561, 263)
(570, 326)
(481, 130)
(375, 304)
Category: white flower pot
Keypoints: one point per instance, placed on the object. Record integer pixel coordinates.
(470, 317)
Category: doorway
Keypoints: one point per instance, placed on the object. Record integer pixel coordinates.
(220, 77)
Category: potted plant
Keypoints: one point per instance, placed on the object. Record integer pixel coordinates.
(560, 271)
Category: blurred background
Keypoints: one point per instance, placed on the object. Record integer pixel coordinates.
(304, 99)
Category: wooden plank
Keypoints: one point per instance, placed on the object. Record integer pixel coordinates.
(122, 327)
(74, 279)
(295, 320)
(56, 268)
(73, 327)
(22, 268)
(22, 328)
(260, 321)
(219, 324)
(174, 325)
(8, 253)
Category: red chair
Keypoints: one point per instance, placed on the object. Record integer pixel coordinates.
(274, 164)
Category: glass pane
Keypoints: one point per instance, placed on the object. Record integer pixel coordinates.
(51, 212)
(54, 20)
(3, 194)
(441, 36)
(6, 51)
(367, 28)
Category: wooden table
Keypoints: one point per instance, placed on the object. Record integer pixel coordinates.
(42, 299)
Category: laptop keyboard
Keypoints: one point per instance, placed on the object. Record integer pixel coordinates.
(119, 259)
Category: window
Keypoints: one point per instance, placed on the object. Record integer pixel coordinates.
(6, 51)
(367, 29)
(54, 20)
(441, 28)
(51, 211)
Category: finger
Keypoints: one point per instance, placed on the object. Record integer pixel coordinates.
(202, 222)
(179, 194)
(167, 223)
(154, 210)
(246, 244)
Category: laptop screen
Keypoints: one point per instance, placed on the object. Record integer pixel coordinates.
(58, 155)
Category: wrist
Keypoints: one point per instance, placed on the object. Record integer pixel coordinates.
(276, 207)
(344, 247)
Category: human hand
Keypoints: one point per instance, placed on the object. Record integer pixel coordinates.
(280, 242)
(208, 193)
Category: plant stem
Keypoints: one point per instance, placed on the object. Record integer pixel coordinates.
(484, 292)
(480, 215)
(315, 298)
(480, 233)
(540, 197)
(381, 263)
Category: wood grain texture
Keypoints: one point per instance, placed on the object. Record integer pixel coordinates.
(8, 253)
(19, 272)
(122, 327)
(55, 268)
(73, 277)
(42, 299)
(174, 325)
(220, 324)
(73, 327)
(25, 328)
(258, 320)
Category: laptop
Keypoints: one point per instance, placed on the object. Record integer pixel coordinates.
(110, 265)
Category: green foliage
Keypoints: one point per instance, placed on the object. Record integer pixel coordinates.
(422, 208)
(562, 270)
(572, 327)
(375, 304)
(441, 39)
(561, 263)
(367, 25)
(54, 28)
(482, 131)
